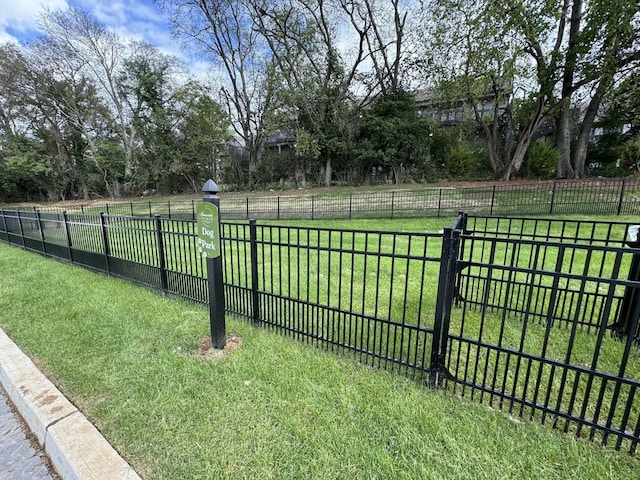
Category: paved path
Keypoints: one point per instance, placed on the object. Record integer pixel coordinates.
(19, 460)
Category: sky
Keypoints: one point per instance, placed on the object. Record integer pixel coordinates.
(135, 19)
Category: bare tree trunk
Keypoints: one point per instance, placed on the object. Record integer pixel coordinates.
(565, 170)
(327, 173)
(563, 125)
(495, 147)
(85, 191)
(526, 137)
(580, 151)
(518, 158)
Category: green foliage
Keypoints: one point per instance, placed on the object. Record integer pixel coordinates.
(182, 131)
(307, 146)
(276, 167)
(393, 139)
(542, 159)
(630, 157)
(203, 130)
(461, 162)
(23, 168)
(107, 115)
(603, 156)
(615, 151)
(235, 168)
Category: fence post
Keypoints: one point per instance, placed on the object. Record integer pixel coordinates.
(208, 225)
(21, 229)
(313, 206)
(631, 301)
(278, 209)
(255, 297)
(493, 199)
(68, 234)
(553, 197)
(350, 205)
(446, 287)
(4, 224)
(439, 201)
(169, 209)
(105, 242)
(131, 208)
(393, 199)
(39, 221)
(161, 261)
(622, 191)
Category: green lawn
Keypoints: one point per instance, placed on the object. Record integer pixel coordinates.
(273, 408)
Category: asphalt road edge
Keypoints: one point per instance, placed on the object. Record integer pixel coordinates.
(76, 449)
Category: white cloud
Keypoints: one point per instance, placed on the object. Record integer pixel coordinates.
(18, 18)
(138, 19)
(129, 19)
(134, 20)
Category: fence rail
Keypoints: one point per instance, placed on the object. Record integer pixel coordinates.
(588, 197)
(535, 332)
(538, 317)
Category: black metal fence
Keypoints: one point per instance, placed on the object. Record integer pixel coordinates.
(536, 317)
(588, 197)
(546, 323)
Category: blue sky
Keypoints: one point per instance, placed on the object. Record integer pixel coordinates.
(135, 19)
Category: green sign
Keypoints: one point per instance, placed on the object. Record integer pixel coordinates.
(208, 230)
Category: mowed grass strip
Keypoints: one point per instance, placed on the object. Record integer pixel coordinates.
(272, 408)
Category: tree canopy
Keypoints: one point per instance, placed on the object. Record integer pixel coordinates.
(321, 91)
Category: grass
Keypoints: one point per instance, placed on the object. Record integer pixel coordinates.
(273, 408)
(303, 264)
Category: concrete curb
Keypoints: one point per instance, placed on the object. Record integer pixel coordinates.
(75, 447)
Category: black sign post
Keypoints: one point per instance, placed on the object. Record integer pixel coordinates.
(208, 231)
(627, 325)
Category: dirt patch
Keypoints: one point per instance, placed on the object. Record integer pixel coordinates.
(206, 352)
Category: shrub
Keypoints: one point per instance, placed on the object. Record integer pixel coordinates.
(542, 159)
(461, 163)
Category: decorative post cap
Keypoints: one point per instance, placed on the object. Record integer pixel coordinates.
(210, 187)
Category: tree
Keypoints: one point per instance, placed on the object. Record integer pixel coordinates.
(478, 62)
(327, 86)
(622, 107)
(182, 131)
(302, 37)
(145, 83)
(618, 130)
(23, 168)
(474, 67)
(13, 107)
(384, 40)
(203, 133)
(56, 111)
(223, 31)
(603, 48)
(82, 41)
(66, 95)
(592, 42)
(393, 137)
(555, 50)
